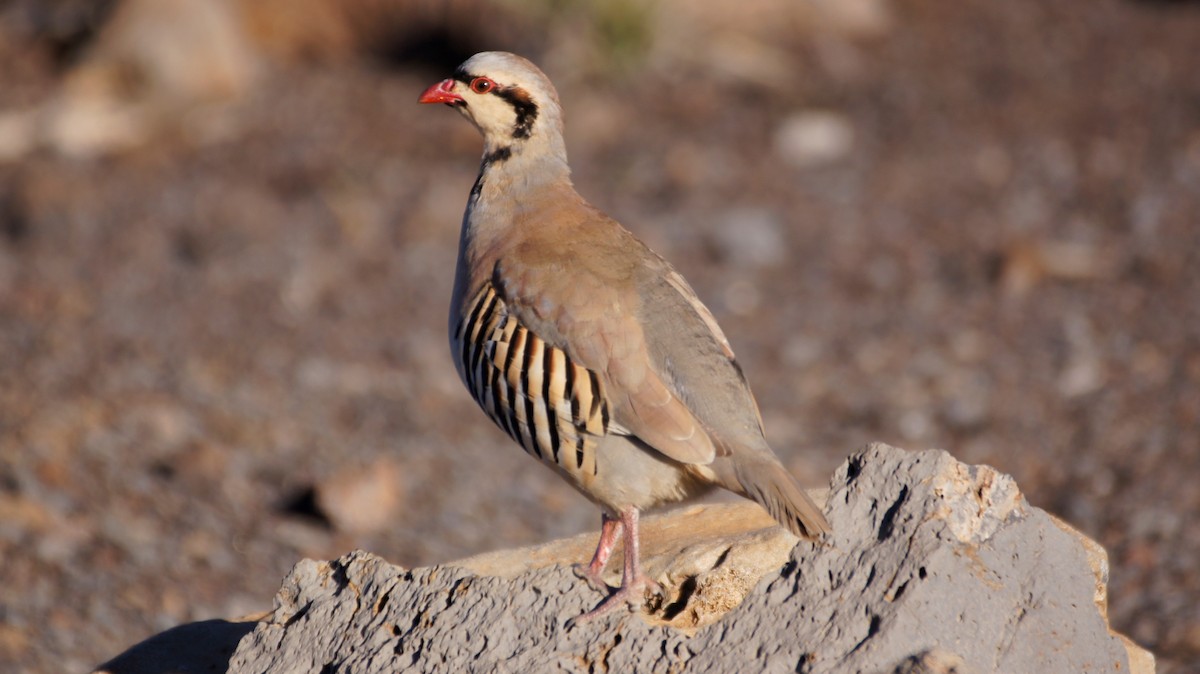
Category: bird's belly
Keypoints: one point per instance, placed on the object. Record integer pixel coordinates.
(631, 474)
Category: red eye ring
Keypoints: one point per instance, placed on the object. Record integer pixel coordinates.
(482, 85)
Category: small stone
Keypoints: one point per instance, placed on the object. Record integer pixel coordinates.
(814, 137)
(362, 499)
(750, 237)
(1082, 375)
(742, 297)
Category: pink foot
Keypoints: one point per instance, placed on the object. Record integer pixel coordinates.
(593, 572)
(631, 596)
(635, 585)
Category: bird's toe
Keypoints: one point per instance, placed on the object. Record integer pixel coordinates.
(594, 578)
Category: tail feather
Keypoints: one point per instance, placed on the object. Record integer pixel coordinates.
(770, 485)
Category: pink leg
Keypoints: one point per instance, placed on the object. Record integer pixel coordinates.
(633, 583)
(610, 528)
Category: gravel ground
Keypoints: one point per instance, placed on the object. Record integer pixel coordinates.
(975, 231)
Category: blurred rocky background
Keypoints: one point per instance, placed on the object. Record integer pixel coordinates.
(227, 234)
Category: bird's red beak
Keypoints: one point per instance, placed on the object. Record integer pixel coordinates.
(442, 92)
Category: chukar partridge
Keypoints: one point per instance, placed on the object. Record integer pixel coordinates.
(584, 345)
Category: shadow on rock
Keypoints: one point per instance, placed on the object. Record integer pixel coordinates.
(204, 646)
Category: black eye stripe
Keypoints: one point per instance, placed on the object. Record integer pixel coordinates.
(518, 98)
(526, 109)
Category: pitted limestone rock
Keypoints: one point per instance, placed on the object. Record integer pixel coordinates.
(934, 566)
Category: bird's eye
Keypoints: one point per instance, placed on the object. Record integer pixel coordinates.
(482, 85)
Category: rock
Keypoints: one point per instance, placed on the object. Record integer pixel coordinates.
(153, 62)
(753, 41)
(814, 138)
(1025, 265)
(934, 566)
(718, 551)
(167, 65)
(362, 499)
(934, 661)
(749, 237)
